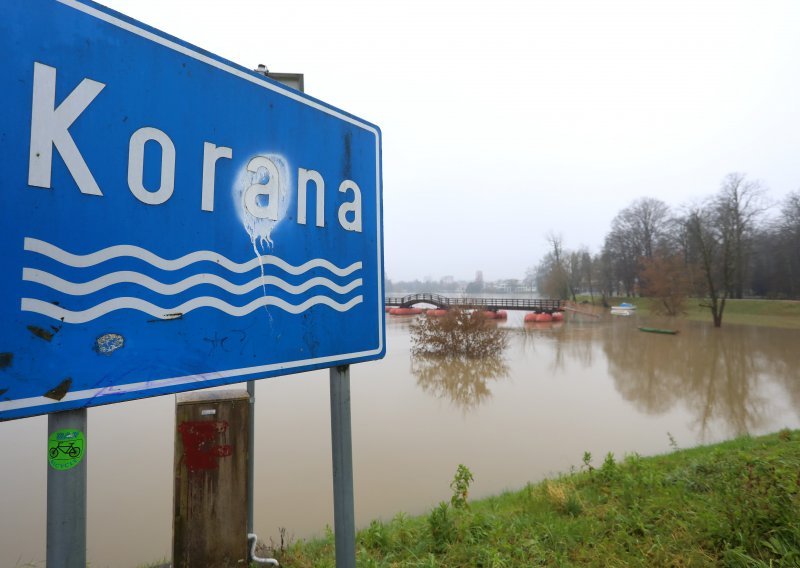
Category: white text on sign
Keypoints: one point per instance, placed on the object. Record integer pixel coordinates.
(50, 129)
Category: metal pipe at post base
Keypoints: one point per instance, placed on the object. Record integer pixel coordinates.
(344, 527)
(66, 489)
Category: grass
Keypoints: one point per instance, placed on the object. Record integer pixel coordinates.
(768, 313)
(732, 504)
(765, 313)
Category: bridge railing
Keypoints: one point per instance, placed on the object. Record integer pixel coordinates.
(488, 303)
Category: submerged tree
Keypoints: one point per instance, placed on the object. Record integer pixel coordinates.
(459, 332)
(455, 356)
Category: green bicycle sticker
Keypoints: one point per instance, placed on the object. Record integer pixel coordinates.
(65, 449)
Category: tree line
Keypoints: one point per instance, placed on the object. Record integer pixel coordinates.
(726, 246)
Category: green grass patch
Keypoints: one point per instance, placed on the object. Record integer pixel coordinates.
(765, 313)
(770, 313)
(731, 504)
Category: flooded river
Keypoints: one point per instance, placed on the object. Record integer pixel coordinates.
(560, 389)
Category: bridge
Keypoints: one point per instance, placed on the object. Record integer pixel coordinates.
(531, 305)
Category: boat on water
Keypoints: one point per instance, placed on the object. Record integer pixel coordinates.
(624, 309)
(659, 330)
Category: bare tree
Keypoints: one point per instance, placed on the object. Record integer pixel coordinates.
(712, 249)
(637, 232)
(789, 244)
(606, 281)
(588, 271)
(666, 281)
(552, 275)
(645, 223)
(622, 261)
(737, 206)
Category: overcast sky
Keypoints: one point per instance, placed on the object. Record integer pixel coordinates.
(505, 120)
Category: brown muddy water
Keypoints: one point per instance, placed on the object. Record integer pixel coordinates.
(584, 385)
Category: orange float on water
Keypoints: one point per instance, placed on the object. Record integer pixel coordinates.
(405, 311)
(558, 316)
(530, 318)
(437, 313)
(543, 318)
(501, 314)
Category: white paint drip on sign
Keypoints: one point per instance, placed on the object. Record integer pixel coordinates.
(261, 197)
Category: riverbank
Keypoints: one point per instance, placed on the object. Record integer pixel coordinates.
(736, 504)
(767, 313)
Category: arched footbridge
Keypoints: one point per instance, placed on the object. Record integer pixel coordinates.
(531, 305)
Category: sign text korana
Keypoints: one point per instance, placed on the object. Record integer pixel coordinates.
(50, 125)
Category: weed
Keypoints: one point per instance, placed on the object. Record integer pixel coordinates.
(587, 459)
(442, 527)
(375, 537)
(608, 470)
(403, 529)
(555, 494)
(460, 486)
(563, 498)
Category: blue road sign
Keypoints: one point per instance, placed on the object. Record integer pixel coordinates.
(171, 220)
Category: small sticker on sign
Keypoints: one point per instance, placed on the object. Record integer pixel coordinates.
(65, 449)
(208, 412)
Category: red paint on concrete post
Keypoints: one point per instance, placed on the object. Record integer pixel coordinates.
(200, 450)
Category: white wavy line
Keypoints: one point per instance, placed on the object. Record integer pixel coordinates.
(67, 316)
(116, 251)
(129, 277)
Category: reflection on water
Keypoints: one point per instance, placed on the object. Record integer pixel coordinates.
(462, 380)
(718, 374)
(569, 343)
(558, 391)
(721, 376)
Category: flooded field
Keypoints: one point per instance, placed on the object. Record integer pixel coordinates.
(559, 390)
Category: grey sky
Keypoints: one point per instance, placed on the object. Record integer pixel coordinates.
(505, 120)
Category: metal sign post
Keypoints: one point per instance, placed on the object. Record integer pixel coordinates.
(344, 526)
(66, 489)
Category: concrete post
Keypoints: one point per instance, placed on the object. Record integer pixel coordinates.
(210, 497)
